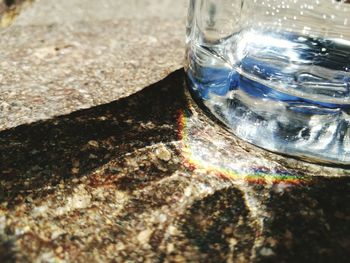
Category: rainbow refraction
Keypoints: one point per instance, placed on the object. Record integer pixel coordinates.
(200, 150)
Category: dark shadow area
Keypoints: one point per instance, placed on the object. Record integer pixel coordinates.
(309, 222)
(9, 2)
(306, 223)
(214, 221)
(36, 155)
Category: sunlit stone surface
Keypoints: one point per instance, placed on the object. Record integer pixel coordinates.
(149, 177)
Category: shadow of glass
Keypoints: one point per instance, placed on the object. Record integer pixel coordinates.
(310, 223)
(268, 218)
(41, 154)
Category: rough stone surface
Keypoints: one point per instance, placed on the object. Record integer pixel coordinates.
(149, 178)
(9, 10)
(59, 57)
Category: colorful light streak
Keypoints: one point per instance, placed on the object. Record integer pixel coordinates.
(254, 174)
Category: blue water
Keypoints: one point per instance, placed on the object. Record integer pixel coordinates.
(290, 90)
(317, 52)
(221, 81)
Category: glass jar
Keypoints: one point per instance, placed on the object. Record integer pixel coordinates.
(276, 73)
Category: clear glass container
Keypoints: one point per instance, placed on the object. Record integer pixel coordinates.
(276, 73)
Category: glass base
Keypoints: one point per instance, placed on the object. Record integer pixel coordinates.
(317, 132)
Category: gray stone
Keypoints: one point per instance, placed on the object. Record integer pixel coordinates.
(58, 57)
(141, 174)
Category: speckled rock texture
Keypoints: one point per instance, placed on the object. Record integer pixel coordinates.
(60, 56)
(9, 10)
(146, 176)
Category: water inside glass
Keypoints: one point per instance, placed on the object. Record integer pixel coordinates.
(276, 73)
